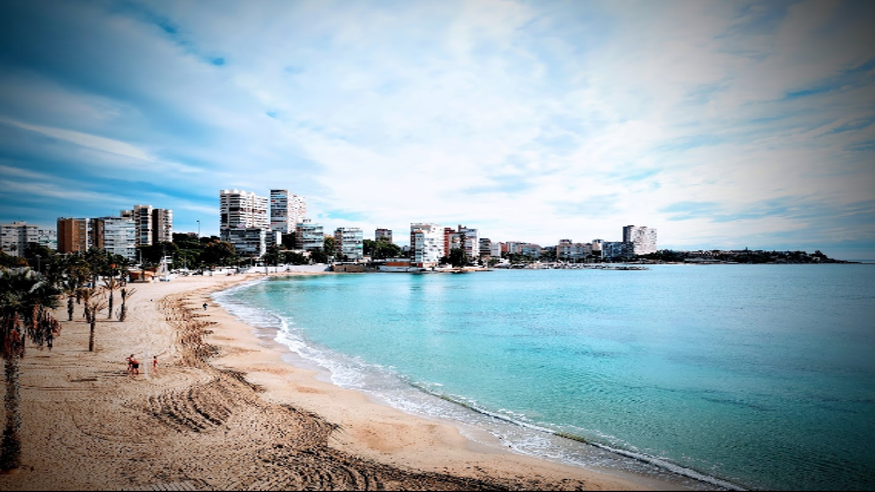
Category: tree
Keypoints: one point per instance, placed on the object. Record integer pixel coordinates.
(380, 249)
(457, 257)
(26, 301)
(123, 311)
(218, 253)
(318, 256)
(110, 285)
(69, 288)
(93, 304)
(288, 240)
(272, 256)
(328, 246)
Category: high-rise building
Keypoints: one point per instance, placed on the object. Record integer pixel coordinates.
(73, 234)
(286, 211)
(485, 247)
(426, 244)
(383, 234)
(244, 221)
(309, 236)
(15, 236)
(349, 242)
(643, 239)
(242, 210)
(153, 225)
(162, 225)
(454, 239)
(116, 235)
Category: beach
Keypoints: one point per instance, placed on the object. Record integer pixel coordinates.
(225, 412)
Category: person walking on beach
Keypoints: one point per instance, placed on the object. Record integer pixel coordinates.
(130, 360)
(154, 364)
(135, 366)
(205, 306)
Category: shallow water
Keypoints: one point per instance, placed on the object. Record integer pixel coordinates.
(750, 376)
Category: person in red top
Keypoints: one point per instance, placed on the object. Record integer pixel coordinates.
(155, 364)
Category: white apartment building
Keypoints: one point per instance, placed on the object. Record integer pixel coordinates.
(162, 225)
(15, 236)
(349, 241)
(116, 235)
(242, 210)
(153, 225)
(643, 239)
(472, 241)
(286, 211)
(309, 236)
(427, 244)
(495, 250)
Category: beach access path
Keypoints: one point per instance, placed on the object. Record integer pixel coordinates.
(225, 412)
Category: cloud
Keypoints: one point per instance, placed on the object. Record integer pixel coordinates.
(529, 121)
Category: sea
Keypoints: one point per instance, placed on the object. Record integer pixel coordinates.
(733, 377)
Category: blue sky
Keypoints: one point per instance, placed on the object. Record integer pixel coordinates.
(722, 124)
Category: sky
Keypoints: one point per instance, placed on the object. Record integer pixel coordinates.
(723, 125)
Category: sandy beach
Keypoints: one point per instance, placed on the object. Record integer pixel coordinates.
(225, 412)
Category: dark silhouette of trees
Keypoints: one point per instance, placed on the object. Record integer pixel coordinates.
(26, 301)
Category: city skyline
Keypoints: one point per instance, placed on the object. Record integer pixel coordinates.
(720, 124)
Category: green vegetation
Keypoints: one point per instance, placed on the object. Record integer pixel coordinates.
(741, 256)
(381, 249)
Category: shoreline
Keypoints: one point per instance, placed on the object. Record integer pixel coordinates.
(226, 411)
(481, 435)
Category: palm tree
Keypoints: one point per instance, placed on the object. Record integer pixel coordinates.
(69, 288)
(26, 301)
(123, 313)
(111, 284)
(93, 305)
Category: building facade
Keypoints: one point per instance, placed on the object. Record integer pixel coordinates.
(642, 238)
(309, 236)
(531, 250)
(74, 234)
(462, 237)
(349, 242)
(153, 225)
(244, 222)
(613, 250)
(116, 235)
(485, 248)
(48, 238)
(15, 236)
(286, 211)
(162, 226)
(250, 241)
(242, 210)
(383, 235)
(426, 244)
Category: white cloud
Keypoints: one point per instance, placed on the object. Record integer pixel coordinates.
(529, 121)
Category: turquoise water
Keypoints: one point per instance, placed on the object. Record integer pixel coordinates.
(746, 376)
